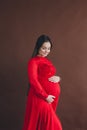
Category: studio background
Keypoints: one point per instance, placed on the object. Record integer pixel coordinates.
(21, 22)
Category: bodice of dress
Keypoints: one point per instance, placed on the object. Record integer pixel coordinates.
(45, 68)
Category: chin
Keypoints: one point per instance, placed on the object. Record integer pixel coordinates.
(45, 55)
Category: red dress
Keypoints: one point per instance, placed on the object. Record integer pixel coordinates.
(39, 114)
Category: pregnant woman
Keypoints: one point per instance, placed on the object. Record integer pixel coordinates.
(44, 89)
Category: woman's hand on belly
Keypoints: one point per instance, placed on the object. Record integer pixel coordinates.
(50, 98)
(54, 79)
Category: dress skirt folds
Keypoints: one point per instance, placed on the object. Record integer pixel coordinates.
(39, 114)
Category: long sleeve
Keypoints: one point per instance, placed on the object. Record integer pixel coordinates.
(33, 79)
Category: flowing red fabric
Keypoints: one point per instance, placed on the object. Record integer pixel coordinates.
(39, 114)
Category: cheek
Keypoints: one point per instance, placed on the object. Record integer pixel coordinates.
(48, 51)
(41, 51)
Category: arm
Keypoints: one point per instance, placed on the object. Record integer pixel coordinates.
(33, 79)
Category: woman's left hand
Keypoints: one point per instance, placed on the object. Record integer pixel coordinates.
(54, 79)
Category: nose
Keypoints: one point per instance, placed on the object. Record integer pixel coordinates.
(47, 51)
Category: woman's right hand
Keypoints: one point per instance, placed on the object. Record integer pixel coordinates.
(50, 98)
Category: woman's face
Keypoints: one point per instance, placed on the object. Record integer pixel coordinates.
(44, 49)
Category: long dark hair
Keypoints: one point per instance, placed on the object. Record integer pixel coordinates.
(41, 39)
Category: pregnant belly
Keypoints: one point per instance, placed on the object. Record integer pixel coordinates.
(51, 87)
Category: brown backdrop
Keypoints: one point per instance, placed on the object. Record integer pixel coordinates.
(21, 22)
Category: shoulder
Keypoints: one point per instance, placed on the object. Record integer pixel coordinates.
(32, 60)
(35, 61)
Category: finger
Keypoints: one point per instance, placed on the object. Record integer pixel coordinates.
(52, 101)
(53, 96)
(50, 79)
